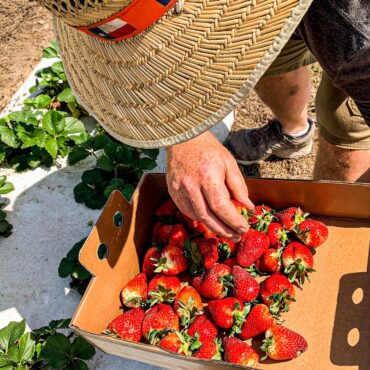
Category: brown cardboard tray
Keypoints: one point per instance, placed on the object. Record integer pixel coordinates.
(332, 312)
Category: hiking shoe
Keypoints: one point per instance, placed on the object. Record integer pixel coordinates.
(253, 145)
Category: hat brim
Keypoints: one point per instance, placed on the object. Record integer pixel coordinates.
(184, 74)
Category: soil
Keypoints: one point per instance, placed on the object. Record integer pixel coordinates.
(26, 30)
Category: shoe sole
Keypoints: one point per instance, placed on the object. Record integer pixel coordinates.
(294, 153)
(284, 154)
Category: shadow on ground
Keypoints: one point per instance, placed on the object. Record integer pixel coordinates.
(351, 333)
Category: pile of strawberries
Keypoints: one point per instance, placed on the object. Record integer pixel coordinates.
(197, 294)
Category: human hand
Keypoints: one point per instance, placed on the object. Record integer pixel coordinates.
(202, 177)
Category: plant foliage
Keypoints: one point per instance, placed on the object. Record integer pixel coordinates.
(71, 266)
(5, 227)
(35, 138)
(43, 348)
(118, 167)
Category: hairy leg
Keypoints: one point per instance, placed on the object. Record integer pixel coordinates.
(339, 164)
(287, 96)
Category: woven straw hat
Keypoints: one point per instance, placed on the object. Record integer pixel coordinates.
(179, 76)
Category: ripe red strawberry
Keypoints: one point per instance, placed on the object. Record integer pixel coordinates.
(172, 261)
(277, 292)
(312, 233)
(298, 262)
(277, 235)
(128, 325)
(291, 217)
(134, 293)
(251, 247)
(226, 248)
(166, 209)
(188, 305)
(240, 208)
(197, 281)
(260, 217)
(215, 282)
(270, 261)
(245, 287)
(161, 233)
(257, 322)
(210, 350)
(228, 313)
(238, 352)
(203, 229)
(178, 236)
(204, 327)
(151, 255)
(163, 289)
(231, 262)
(171, 342)
(159, 318)
(282, 343)
(208, 249)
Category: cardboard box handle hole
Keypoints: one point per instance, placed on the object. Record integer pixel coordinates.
(103, 251)
(118, 219)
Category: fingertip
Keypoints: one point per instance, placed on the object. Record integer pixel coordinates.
(249, 204)
(244, 199)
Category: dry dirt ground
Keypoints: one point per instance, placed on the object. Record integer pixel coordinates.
(26, 29)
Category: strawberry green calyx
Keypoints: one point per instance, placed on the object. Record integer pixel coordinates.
(111, 333)
(195, 342)
(162, 294)
(299, 217)
(283, 237)
(189, 344)
(220, 350)
(161, 264)
(267, 343)
(244, 213)
(227, 281)
(253, 270)
(298, 262)
(154, 336)
(188, 312)
(261, 217)
(298, 271)
(280, 302)
(192, 253)
(239, 318)
(136, 302)
(224, 250)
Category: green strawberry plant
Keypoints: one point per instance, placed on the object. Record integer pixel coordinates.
(70, 266)
(52, 90)
(42, 348)
(118, 167)
(5, 186)
(37, 139)
(5, 227)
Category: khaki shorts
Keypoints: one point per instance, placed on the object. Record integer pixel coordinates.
(337, 115)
